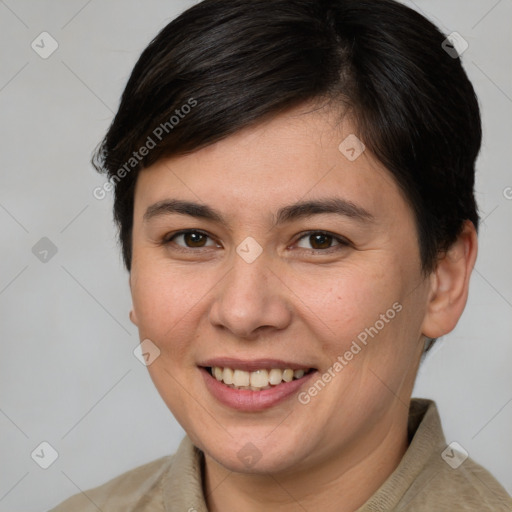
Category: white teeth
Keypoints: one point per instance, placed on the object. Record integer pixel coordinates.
(288, 375)
(275, 376)
(240, 378)
(257, 380)
(227, 376)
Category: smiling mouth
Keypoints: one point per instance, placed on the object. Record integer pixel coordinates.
(257, 380)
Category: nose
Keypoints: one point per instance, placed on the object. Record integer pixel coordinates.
(251, 300)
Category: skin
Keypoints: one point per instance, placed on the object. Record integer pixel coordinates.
(299, 301)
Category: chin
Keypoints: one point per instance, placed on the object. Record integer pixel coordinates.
(251, 460)
(254, 452)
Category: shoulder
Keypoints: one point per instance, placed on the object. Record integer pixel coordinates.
(138, 487)
(464, 488)
(442, 477)
(435, 477)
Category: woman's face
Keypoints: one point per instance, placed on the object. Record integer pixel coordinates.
(259, 282)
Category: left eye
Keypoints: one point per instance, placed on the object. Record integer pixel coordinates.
(321, 241)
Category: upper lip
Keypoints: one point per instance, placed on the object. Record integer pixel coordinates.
(253, 364)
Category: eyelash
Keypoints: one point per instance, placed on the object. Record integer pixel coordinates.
(342, 242)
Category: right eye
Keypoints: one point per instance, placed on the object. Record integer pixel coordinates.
(188, 239)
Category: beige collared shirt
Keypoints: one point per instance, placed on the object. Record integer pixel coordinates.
(424, 481)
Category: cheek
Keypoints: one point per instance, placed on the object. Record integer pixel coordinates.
(346, 301)
(165, 303)
(369, 317)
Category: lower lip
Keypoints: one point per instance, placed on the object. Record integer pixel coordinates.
(247, 400)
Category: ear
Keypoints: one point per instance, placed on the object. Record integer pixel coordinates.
(450, 284)
(133, 315)
(133, 318)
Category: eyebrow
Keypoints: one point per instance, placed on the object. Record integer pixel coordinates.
(299, 210)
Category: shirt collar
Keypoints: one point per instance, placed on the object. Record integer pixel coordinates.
(183, 488)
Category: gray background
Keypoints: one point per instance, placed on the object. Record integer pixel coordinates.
(68, 375)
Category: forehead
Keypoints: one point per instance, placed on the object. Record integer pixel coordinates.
(302, 154)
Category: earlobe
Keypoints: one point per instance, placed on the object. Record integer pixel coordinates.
(133, 317)
(450, 284)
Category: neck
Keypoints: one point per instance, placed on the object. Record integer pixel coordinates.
(342, 482)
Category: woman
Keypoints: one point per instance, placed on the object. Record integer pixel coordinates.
(294, 195)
